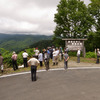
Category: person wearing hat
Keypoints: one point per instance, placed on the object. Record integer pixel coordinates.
(33, 62)
(1, 62)
(36, 52)
(14, 60)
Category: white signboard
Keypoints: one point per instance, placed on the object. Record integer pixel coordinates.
(74, 45)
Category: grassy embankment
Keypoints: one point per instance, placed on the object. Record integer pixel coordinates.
(82, 59)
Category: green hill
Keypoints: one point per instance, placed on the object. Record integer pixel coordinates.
(19, 42)
(43, 44)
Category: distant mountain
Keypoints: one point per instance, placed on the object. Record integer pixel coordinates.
(43, 44)
(19, 42)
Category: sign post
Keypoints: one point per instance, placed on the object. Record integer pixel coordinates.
(74, 44)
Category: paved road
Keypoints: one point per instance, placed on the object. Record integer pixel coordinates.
(53, 85)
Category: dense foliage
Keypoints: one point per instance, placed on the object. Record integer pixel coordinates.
(90, 55)
(72, 19)
(94, 9)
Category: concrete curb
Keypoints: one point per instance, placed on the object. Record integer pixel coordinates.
(55, 69)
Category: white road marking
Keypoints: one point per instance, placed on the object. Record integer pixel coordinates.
(49, 70)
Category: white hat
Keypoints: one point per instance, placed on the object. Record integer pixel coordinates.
(14, 52)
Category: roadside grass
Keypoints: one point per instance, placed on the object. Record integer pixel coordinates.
(11, 71)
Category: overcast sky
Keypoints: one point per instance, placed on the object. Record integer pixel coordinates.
(28, 16)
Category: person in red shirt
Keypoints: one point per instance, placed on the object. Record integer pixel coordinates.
(14, 61)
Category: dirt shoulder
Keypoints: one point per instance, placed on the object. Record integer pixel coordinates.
(72, 63)
(85, 62)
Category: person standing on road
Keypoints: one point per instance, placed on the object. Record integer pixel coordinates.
(36, 52)
(57, 56)
(54, 57)
(14, 61)
(1, 62)
(66, 58)
(67, 49)
(78, 55)
(51, 52)
(60, 54)
(33, 62)
(25, 55)
(98, 55)
(46, 60)
(40, 58)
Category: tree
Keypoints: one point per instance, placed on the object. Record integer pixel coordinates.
(72, 19)
(94, 9)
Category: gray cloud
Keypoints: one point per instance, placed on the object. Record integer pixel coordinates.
(28, 16)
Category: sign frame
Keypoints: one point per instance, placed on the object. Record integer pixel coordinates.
(74, 44)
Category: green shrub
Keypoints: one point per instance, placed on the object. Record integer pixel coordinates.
(7, 56)
(7, 59)
(90, 55)
(73, 53)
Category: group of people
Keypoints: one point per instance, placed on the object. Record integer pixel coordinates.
(14, 60)
(40, 57)
(43, 57)
(47, 54)
(50, 53)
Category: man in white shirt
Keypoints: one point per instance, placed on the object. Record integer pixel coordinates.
(25, 55)
(40, 58)
(55, 56)
(34, 63)
(36, 52)
(78, 55)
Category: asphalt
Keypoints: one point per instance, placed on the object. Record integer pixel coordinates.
(73, 84)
